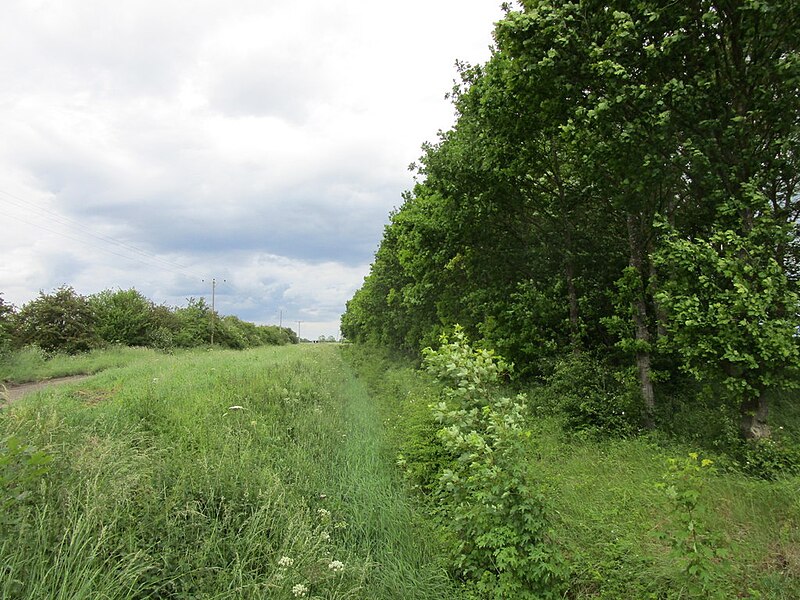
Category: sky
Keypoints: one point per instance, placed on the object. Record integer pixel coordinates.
(163, 144)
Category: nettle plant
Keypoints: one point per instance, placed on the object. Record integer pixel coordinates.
(498, 516)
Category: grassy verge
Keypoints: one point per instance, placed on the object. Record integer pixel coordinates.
(32, 364)
(255, 474)
(623, 536)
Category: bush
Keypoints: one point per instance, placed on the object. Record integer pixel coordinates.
(497, 513)
(193, 324)
(122, 317)
(6, 326)
(21, 467)
(62, 321)
(769, 459)
(591, 397)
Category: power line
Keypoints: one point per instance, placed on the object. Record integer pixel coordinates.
(81, 241)
(81, 228)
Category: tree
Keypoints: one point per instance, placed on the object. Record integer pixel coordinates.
(732, 293)
(734, 319)
(123, 317)
(6, 325)
(61, 321)
(194, 323)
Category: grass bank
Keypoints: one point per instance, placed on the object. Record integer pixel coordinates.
(628, 524)
(33, 364)
(255, 474)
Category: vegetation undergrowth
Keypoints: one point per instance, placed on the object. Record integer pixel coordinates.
(248, 475)
(638, 515)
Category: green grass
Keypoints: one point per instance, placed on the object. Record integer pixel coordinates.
(159, 489)
(33, 364)
(608, 517)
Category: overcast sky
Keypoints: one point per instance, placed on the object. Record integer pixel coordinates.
(158, 144)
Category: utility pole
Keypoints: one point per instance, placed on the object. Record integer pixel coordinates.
(280, 322)
(298, 331)
(213, 303)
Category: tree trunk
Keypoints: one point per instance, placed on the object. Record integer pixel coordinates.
(661, 315)
(755, 411)
(572, 293)
(642, 333)
(574, 323)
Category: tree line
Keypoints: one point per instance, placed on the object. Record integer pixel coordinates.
(65, 321)
(621, 182)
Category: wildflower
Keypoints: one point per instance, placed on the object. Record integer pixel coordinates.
(323, 513)
(285, 561)
(299, 590)
(326, 537)
(336, 566)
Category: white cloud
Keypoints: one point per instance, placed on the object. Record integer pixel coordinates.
(263, 140)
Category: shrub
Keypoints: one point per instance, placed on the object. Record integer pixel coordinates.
(591, 397)
(769, 459)
(498, 515)
(61, 321)
(6, 326)
(701, 555)
(123, 317)
(21, 467)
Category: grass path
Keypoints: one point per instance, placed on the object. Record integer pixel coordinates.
(384, 525)
(158, 488)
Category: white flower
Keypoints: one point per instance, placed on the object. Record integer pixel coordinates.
(299, 590)
(336, 566)
(323, 513)
(285, 561)
(326, 537)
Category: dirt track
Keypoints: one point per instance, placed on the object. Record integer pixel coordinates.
(15, 392)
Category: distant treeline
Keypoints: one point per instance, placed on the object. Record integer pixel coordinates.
(65, 321)
(622, 183)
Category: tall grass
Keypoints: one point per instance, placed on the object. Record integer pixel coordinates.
(161, 488)
(611, 521)
(32, 363)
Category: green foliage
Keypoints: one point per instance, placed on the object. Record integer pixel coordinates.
(769, 459)
(6, 326)
(469, 374)
(123, 317)
(194, 323)
(61, 321)
(733, 314)
(702, 557)
(537, 221)
(498, 515)
(21, 468)
(591, 396)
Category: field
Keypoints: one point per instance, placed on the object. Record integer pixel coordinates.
(257, 474)
(306, 471)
